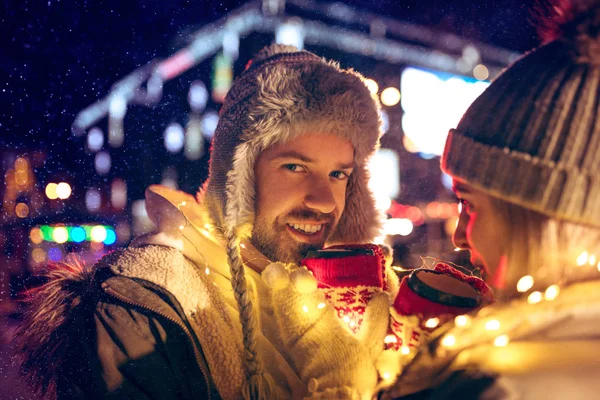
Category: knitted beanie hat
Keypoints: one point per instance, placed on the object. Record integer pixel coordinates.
(284, 93)
(533, 136)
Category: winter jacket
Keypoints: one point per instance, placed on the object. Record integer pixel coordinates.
(154, 321)
(545, 350)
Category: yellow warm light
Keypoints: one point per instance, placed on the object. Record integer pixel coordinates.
(38, 255)
(98, 234)
(63, 190)
(449, 341)
(305, 308)
(390, 339)
(461, 320)
(432, 322)
(181, 227)
(386, 376)
(525, 283)
(551, 292)
(22, 210)
(51, 191)
(480, 72)
(390, 96)
(60, 234)
(321, 305)
(583, 258)
(457, 249)
(207, 271)
(501, 341)
(592, 260)
(346, 319)
(534, 297)
(405, 350)
(35, 235)
(372, 86)
(492, 325)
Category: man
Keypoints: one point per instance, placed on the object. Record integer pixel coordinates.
(183, 313)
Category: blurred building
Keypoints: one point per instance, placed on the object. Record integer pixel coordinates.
(156, 124)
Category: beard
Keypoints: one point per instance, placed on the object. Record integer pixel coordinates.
(272, 239)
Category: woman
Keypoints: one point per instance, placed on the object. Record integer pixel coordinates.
(525, 160)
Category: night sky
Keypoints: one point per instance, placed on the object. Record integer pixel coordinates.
(57, 57)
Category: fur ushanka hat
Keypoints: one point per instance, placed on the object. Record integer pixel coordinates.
(284, 93)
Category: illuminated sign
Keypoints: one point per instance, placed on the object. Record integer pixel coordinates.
(434, 103)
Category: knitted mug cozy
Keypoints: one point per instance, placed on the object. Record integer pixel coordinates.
(349, 276)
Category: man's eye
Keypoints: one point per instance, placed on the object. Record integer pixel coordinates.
(294, 167)
(341, 175)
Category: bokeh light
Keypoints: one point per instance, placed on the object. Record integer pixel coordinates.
(372, 86)
(51, 191)
(390, 96)
(78, 234)
(63, 190)
(55, 254)
(35, 235)
(98, 234)
(22, 210)
(111, 237)
(60, 234)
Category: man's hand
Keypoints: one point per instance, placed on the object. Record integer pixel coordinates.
(332, 361)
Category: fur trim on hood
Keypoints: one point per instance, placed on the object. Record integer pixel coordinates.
(283, 94)
(43, 335)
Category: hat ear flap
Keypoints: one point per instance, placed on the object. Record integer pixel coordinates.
(361, 221)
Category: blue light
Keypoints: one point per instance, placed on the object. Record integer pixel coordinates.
(54, 254)
(78, 234)
(111, 237)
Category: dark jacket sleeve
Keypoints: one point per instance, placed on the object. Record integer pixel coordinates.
(122, 352)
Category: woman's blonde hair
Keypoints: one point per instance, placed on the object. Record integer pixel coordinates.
(548, 249)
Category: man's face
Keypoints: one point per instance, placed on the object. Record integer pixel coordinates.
(300, 195)
(480, 229)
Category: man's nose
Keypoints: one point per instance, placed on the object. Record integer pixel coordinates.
(319, 197)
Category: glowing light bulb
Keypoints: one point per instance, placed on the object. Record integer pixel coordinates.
(390, 339)
(583, 258)
(457, 249)
(492, 325)
(181, 227)
(432, 322)
(551, 292)
(449, 341)
(461, 320)
(405, 350)
(501, 341)
(321, 305)
(386, 376)
(242, 245)
(183, 203)
(60, 234)
(534, 297)
(525, 283)
(346, 319)
(305, 308)
(207, 271)
(592, 260)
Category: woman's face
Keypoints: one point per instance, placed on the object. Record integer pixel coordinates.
(482, 231)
